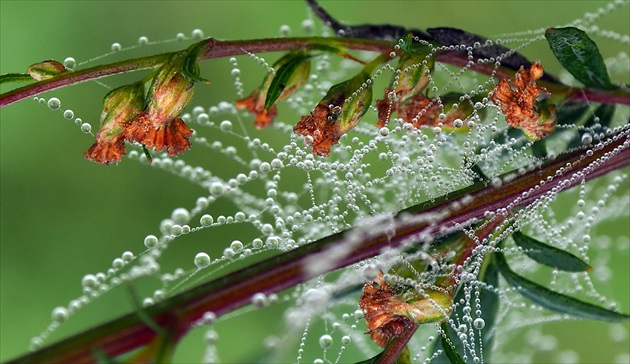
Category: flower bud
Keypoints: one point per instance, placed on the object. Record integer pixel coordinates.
(336, 114)
(159, 126)
(411, 77)
(388, 314)
(290, 73)
(45, 70)
(119, 107)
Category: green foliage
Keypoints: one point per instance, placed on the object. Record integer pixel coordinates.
(579, 55)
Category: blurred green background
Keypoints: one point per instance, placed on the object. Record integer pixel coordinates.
(63, 217)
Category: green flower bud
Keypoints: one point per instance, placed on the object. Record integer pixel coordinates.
(119, 107)
(159, 126)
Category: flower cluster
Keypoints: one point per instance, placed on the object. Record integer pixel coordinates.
(152, 120)
(290, 73)
(518, 100)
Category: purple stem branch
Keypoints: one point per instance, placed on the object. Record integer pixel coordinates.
(291, 268)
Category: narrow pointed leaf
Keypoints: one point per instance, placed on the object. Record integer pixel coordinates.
(579, 55)
(549, 255)
(489, 307)
(555, 301)
(283, 78)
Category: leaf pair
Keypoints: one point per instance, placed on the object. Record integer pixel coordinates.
(545, 297)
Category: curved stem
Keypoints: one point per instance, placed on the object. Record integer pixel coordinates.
(291, 268)
(219, 49)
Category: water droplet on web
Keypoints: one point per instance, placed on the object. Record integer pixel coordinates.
(307, 26)
(587, 138)
(197, 34)
(59, 314)
(259, 300)
(143, 40)
(345, 340)
(68, 114)
(285, 30)
(86, 128)
(206, 220)
(116, 47)
(325, 341)
(236, 246)
(150, 241)
(479, 323)
(69, 63)
(202, 260)
(180, 216)
(226, 126)
(54, 103)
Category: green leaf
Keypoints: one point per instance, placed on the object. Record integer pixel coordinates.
(603, 115)
(489, 301)
(283, 78)
(549, 255)
(571, 113)
(15, 77)
(579, 55)
(555, 301)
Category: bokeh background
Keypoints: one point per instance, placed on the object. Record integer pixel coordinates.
(63, 217)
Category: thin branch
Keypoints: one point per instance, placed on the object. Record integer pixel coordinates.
(288, 269)
(219, 49)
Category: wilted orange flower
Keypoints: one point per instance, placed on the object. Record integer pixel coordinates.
(517, 100)
(119, 107)
(159, 126)
(333, 117)
(255, 104)
(293, 70)
(420, 110)
(387, 315)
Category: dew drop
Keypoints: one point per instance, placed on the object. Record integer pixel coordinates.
(259, 300)
(180, 216)
(69, 63)
(285, 30)
(59, 314)
(226, 126)
(236, 246)
(143, 40)
(217, 189)
(206, 220)
(479, 323)
(383, 131)
(89, 281)
(458, 123)
(587, 138)
(86, 128)
(202, 260)
(325, 341)
(54, 103)
(68, 114)
(116, 47)
(150, 241)
(345, 340)
(197, 34)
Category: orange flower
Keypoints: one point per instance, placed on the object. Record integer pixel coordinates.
(119, 107)
(291, 73)
(335, 114)
(159, 126)
(387, 315)
(518, 102)
(255, 104)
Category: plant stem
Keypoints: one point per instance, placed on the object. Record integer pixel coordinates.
(219, 49)
(291, 268)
